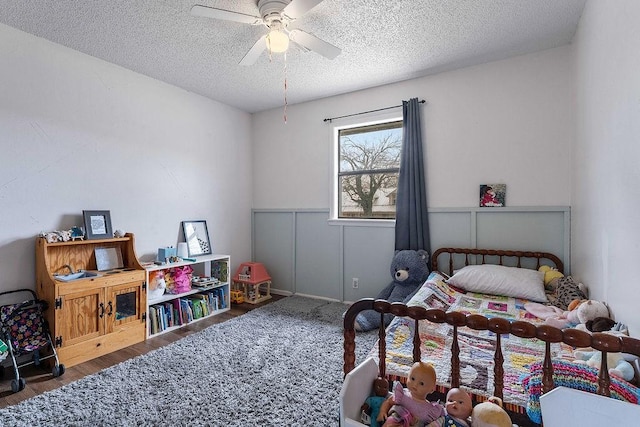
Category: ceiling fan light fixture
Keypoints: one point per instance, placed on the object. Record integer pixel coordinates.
(277, 41)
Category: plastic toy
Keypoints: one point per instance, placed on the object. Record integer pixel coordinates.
(254, 280)
(458, 409)
(371, 407)
(408, 406)
(77, 233)
(237, 297)
(490, 414)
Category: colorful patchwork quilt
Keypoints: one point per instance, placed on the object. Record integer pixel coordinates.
(476, 347)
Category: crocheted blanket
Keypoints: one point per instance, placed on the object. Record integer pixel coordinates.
(476, 347)
(572, 375)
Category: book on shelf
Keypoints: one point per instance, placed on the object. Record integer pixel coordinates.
(187, 311)
(168, 312)
(196, 307)
(220, 270)
(212, 301)
(222, 300)
(177, 312)
(162, 323)
(153, 317)
(202, 300)
(158, 318)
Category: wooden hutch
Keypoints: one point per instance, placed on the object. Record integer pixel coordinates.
(91, 316)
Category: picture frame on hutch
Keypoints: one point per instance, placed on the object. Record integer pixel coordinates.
(196, 236)
(97, 224)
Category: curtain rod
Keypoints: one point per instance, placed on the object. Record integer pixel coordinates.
(366, 112)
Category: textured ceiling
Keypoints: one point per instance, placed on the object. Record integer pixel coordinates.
(381, 41)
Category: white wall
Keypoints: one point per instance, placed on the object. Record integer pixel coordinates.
(79, 133)
(606, 179)
(508, 121)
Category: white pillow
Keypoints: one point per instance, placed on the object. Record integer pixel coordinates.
(500, 280)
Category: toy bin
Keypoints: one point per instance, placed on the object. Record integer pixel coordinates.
(254, 281)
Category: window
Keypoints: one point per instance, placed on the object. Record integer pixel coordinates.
(367, 166)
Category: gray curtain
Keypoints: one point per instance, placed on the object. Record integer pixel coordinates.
(412, 223)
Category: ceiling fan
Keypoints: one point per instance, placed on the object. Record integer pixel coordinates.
(278, 17)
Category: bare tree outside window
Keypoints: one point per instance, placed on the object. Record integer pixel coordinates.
(369, 164)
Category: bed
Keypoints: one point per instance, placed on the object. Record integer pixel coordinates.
(486, 343)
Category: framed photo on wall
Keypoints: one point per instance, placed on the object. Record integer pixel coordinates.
(97, 224)
(493, 195)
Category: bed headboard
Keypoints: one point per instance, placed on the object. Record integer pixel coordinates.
(460, 257)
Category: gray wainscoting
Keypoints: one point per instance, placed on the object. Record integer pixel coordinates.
(307, 254)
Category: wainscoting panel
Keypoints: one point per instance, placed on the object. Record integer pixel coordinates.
(451, 229)
(543, 231)
(273, 245)
(306, 253)
(317, 256)
(368, 252)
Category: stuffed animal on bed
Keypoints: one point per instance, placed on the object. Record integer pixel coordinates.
(589, 310)
(550, 276)
(562, 290)
(409, 270)
(579, 313)
(618, 365)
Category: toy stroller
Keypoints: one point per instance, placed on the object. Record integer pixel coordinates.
(25, 331)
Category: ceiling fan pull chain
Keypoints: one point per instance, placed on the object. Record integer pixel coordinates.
(285, 88)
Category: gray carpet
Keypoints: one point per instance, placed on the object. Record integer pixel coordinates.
(280, 364)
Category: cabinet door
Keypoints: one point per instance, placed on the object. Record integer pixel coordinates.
(81, 316)
(124, 306)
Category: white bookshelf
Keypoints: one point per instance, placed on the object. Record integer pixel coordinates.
(203, 266)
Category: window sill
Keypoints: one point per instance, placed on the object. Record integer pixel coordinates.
(362, 222)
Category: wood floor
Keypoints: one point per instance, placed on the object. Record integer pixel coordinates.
(39, 382)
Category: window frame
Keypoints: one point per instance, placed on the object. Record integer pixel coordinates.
(334, 193)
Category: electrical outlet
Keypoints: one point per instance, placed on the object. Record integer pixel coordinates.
(355, 283)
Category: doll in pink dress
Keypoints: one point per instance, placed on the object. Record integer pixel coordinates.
(409, 406)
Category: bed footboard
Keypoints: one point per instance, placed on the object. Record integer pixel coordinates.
(547, 334)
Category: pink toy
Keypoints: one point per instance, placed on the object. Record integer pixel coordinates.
(181, 279)
(580, 312)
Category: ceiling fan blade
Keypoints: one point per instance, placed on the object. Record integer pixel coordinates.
(297, 8)
(315, 44)
(227, 15)
(254, 53)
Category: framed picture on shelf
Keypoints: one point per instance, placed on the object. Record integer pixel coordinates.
(108, 258)
(196, 236)
(493, 195)
(97, 224)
